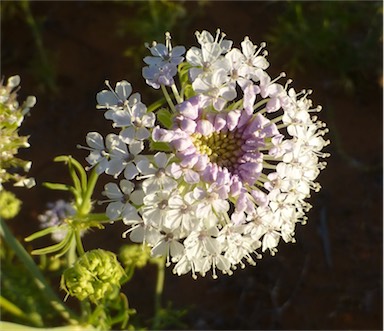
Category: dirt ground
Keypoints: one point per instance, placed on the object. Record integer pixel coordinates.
(330, 279)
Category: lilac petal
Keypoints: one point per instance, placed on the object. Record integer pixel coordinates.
(178, 51)
(181, 144)
(204, 127)
(175, 170)
(159, 50)
(163, 135)
(191, 177)
(189, 160)
(210, 172)
(258, 122)
(233, 119)
(189, 108)
(220, 121)
(270, 130)
(188, 125)
(202, 162)
(188, 151)
(236, 186)
(219, 104)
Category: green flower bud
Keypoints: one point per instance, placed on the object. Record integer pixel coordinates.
(135, 255)
(95, 275)
(9, 205)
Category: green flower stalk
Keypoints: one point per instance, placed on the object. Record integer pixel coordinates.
(94, 276)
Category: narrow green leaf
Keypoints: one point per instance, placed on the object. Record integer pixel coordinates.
(81, 171)
(11, 308)
(156, 105)
(54, 248)
(159, 146)
(19, 327)
(42, 233)
(165, 117)
(58, 186)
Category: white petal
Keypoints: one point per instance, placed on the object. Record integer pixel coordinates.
(113, 210)
(112, 191)
(137, 197)
(123, 89)
(161, 159)
(126, 186)
(95, 140)
(135, 147)
(130, 171)
(106, 98)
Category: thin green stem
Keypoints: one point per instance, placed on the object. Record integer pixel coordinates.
(71, 254)
(168, 98)
(178, 98)
(40, 280)
(79, 244)
(259, 104)
(160, 263)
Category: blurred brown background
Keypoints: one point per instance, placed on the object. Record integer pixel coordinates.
(332, 277)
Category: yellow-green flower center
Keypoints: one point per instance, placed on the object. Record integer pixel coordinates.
(222, 148)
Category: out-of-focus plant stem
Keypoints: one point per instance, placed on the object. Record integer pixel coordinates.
(160, 264)
(40, 281)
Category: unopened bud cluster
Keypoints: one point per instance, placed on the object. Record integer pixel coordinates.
(94, 276)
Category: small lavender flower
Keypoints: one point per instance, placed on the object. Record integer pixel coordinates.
(55, 216)
(162, 66)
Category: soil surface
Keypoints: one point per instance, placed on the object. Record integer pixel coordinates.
(330, 279)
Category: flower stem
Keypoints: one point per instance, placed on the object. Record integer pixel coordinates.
(160, 263)
(179, 99)
(168, 98)
(79, 244)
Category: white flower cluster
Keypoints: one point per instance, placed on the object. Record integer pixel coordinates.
(223, 174)
(12, 115)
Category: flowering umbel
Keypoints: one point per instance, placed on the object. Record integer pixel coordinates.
(223, 173)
